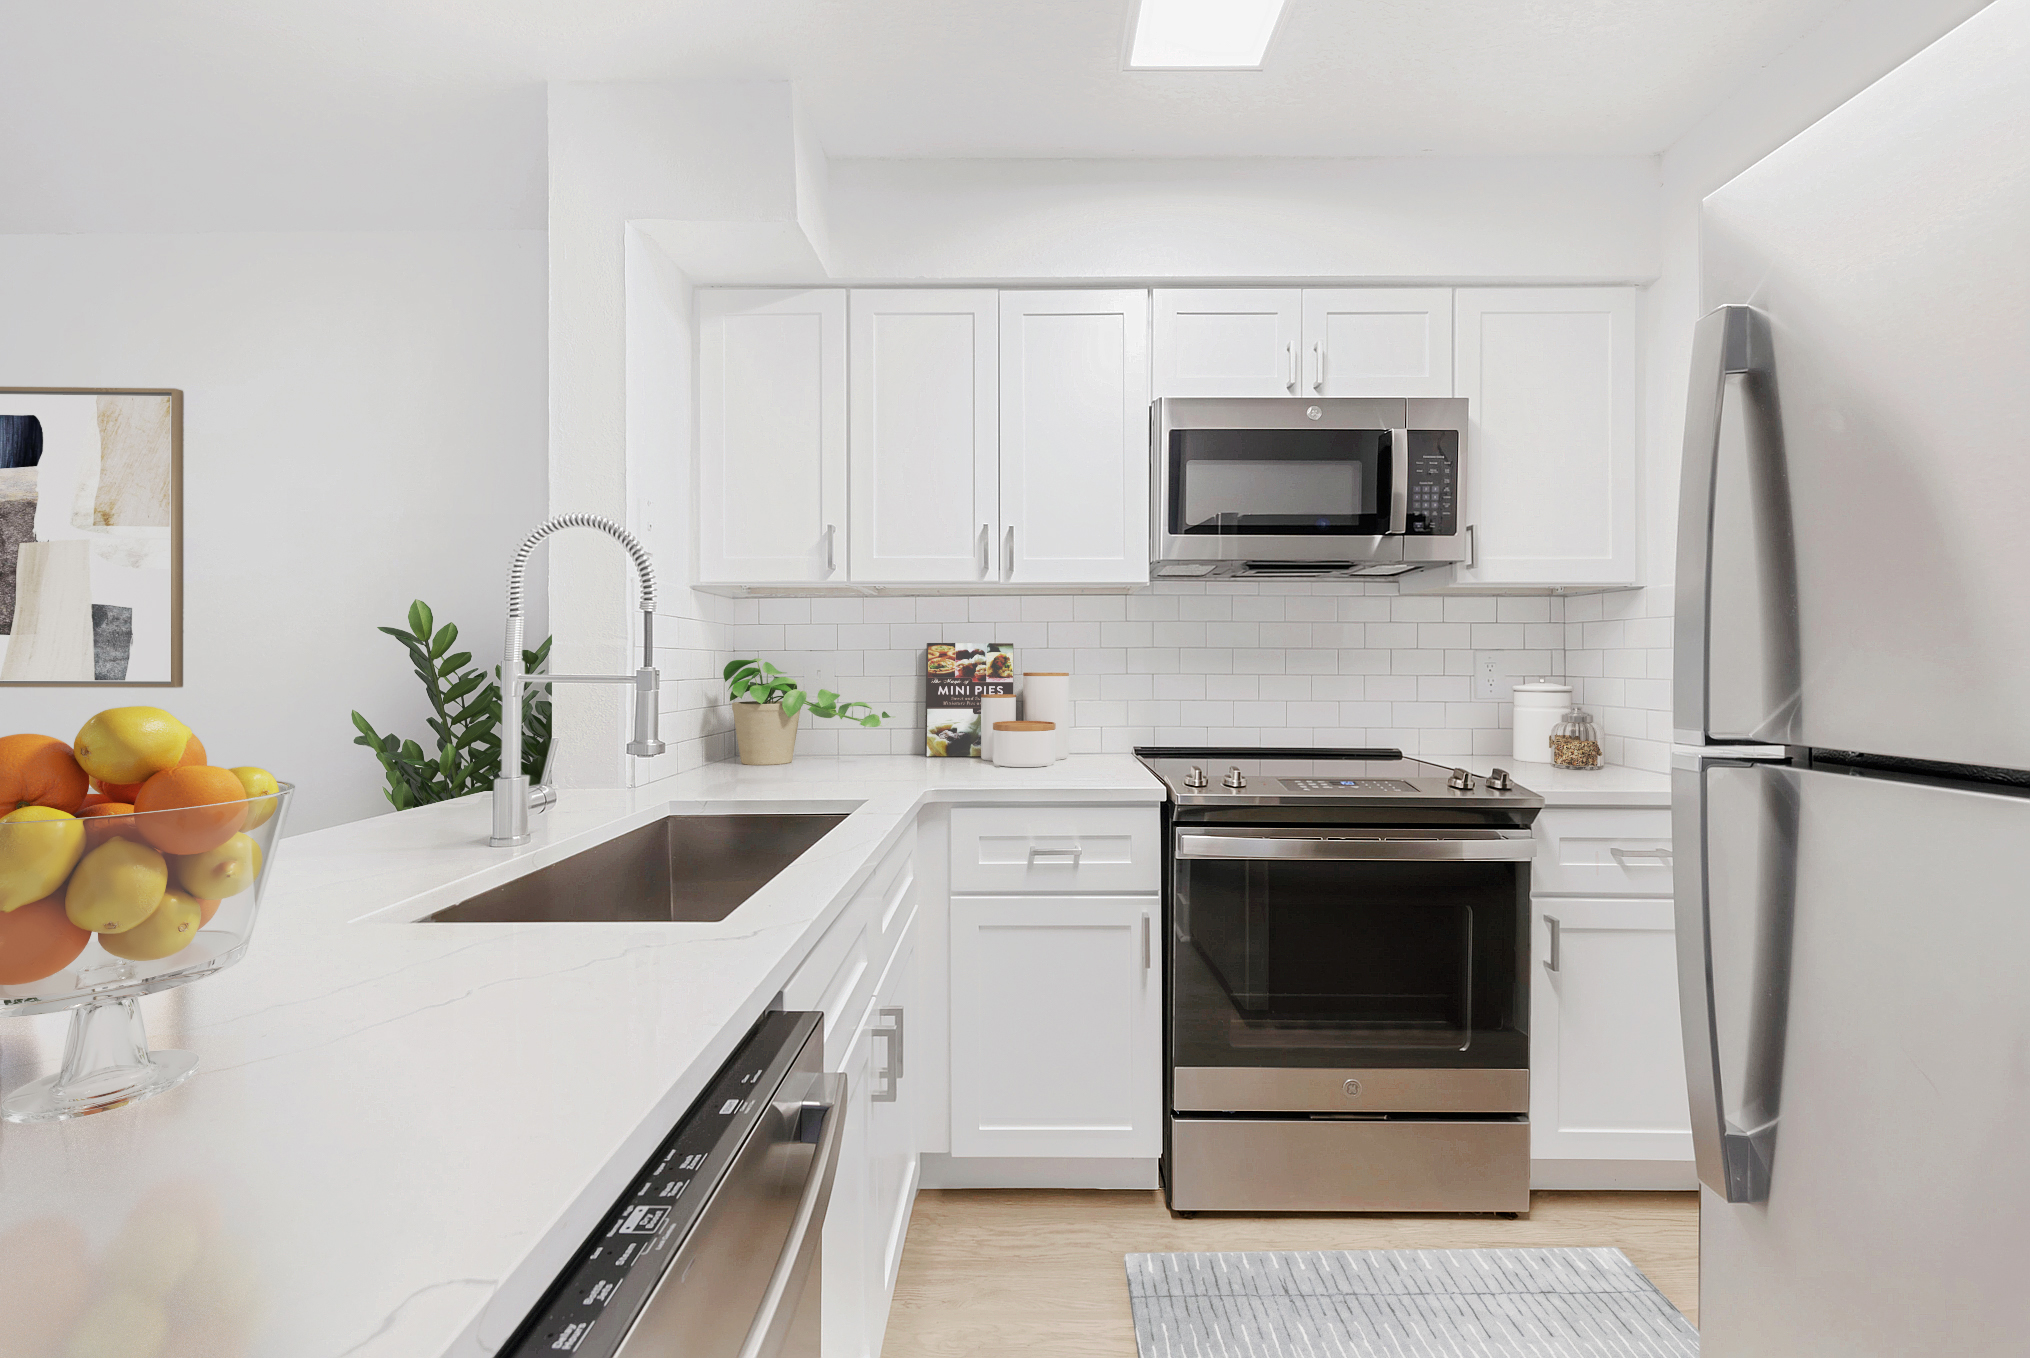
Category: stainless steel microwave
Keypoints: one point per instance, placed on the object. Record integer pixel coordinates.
(1285, 486)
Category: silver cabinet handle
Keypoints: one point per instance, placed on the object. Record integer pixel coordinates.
(1622, 856)
(831, 548)
(770, 1333)
(1290, 367)
(1318, 366)
(1145, 940)
(891, 1073)
(985, 529)
(1071, 855)
(1551, 962)
(1008, 555)
(1472, 547)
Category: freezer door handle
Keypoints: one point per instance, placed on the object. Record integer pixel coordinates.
(1734, 1161)
(1722, 346)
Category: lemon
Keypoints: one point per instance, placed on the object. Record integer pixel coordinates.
(218, 873)
(167, 929)
(259, 783)
(117, 885)
(39, 845)
(130, 744)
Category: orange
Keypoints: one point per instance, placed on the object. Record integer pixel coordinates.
(38, 940)
(107, 819)
(191, 809)
(40, 771)
(205, 910)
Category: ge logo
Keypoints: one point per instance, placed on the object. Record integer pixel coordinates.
(1352, 1089)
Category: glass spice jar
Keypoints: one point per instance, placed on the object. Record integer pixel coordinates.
(1575, 741)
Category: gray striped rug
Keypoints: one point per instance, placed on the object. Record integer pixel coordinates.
(1562, 1303)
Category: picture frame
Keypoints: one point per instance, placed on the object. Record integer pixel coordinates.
(91, 537)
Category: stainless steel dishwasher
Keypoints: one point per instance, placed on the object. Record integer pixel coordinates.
(713, 1251)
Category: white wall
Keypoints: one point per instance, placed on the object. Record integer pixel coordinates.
(363, 425)
(1453, 219)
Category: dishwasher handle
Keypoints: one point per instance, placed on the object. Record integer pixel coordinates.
(826, 1109)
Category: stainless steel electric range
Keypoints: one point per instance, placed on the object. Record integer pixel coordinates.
(1347, 982)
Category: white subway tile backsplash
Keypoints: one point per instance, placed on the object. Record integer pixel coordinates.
(1299, 663)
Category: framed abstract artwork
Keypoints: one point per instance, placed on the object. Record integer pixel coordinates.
(91, 536)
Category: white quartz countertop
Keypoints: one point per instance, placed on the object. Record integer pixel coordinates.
(1613, 785)
(398, 1131)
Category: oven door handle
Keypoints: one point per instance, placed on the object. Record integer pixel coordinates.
(1501, 849)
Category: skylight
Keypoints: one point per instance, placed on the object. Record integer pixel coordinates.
(1203, 35)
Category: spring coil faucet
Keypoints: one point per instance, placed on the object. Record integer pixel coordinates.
(513, 796)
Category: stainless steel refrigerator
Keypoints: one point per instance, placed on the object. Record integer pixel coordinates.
(1853, 723)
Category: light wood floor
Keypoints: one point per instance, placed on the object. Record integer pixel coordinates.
(1007, 1272)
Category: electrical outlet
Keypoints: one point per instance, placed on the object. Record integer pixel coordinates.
(1487, 676)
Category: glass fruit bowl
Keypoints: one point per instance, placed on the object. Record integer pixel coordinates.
(98, 910)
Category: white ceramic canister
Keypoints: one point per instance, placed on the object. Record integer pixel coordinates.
(1024, 744)
(1046, 696)
(1540, 704)
(995, 707)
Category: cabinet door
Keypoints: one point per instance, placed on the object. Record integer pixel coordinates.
(1228, 341)
(1607, 1066)
(1056, 1026)
(771, 435)
(1377, 341)
(1549, 380)
(892, 1159)
(846, 1262)
(1075, 436)
(924, 484)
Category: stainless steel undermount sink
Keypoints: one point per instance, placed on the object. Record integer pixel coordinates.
(697, 869)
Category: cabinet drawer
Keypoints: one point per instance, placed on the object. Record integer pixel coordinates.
(1603, 851)
(1055, 848)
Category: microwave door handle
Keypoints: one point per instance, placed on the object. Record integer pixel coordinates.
(1399, 481)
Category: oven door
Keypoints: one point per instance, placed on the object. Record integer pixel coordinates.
(1371, 970)
(1280, 480)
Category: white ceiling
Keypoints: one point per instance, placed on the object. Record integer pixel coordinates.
(204, 114)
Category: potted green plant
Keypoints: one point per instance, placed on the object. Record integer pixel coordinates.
(767, 704)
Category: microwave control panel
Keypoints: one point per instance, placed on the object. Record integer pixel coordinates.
(1434, 483)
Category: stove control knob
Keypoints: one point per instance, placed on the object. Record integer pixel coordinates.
(1460, 781)
(1233, 778)
(1498, 781)
(1196, 777)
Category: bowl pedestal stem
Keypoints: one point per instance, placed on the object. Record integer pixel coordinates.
(106, 1065)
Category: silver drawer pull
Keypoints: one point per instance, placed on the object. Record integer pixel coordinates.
(1661, 857)
(1070, 856)
(1551, 962)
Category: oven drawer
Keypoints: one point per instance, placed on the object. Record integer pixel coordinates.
(1328, 1165)
(1055, 848)
(1266, 1089)
(1603, 851)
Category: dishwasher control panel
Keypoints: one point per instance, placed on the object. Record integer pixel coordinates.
(596, 1299)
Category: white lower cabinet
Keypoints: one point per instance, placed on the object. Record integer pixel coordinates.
(892, 1141)
(1607, 1063)
(1056, 1026)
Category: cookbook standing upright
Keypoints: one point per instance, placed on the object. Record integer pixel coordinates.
(957, 675)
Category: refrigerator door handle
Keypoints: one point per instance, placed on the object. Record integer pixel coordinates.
(1732, 1161)
(1723, 345)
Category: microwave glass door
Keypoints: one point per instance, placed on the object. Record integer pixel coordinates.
(1300, 964)
(1279, 482)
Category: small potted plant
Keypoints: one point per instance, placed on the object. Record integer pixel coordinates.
(767, 704)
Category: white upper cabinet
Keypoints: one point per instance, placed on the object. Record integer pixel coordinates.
(1549, 380)
(772, 435)
(922, 459)
(1228, 341)
(1075, 437)
(1377, 342)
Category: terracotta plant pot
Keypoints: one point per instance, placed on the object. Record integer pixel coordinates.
(766, 736)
